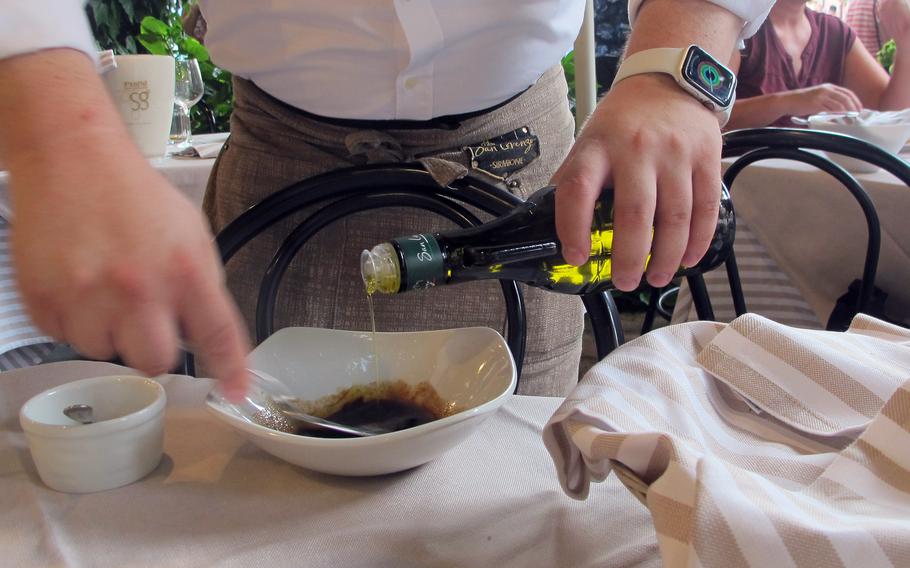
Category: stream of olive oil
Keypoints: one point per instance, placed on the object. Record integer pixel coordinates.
(370, 290)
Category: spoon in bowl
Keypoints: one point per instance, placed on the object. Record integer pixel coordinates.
(281, 400)
(81, 413)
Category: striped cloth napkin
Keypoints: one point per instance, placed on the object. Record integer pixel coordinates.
(760, 444)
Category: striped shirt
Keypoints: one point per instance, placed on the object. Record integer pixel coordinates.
(862, 19)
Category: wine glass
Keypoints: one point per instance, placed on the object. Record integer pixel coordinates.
(188, 90)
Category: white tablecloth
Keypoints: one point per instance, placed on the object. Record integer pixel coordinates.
(804, 241)
(189, 175)
(216, 499)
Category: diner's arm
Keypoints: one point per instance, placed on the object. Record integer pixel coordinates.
(866, 76)
(658, 147)
(109, 256)
(755, 112)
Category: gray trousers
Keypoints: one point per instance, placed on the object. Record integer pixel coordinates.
(272, 146)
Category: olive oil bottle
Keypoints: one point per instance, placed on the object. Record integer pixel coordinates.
(521, 245)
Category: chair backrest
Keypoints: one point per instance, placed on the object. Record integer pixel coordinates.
(753, 145)
(337, 194)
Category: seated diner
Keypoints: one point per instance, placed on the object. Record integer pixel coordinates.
(803, 62)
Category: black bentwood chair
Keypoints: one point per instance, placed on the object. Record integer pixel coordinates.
(753, 145)
(338, 194)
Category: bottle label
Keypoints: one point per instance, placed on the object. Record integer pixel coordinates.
(504, 155)
(422, 260)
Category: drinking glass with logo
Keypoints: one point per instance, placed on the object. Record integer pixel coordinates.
(188, 90)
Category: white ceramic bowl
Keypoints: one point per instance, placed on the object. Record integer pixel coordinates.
(471, 367)
(123, 445)
(891, 137)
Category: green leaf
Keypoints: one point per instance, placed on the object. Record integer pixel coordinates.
(107, 19)
(152, 25)
(568, 64)
(885, 55)
(100, 13)
(114, 24)
(568, 67)
(154, 44)
(195, 49)
(644, 296)
(128, 9)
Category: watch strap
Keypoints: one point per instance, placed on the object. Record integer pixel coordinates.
(658, 60)
(667, 60)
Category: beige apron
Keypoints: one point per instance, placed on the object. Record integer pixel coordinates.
(272, 145)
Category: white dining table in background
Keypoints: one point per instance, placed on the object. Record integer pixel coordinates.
(804, 240)
(189, 175)
(217, 499)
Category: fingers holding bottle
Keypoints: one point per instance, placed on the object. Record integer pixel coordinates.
(579, 181)
(660, 151)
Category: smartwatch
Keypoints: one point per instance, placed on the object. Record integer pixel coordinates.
(694, 70)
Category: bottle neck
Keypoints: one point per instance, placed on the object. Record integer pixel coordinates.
(423, 261)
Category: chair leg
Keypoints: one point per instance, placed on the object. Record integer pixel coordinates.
(516, 327)
(699, 292)
(605, 322)
(736, 286)
(189, 364)
(653, 298)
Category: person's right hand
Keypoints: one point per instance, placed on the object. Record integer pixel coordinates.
(109, 257)
(821, 98)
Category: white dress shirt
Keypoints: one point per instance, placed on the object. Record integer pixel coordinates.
(368, 59)
(401, 59)
(751, 12)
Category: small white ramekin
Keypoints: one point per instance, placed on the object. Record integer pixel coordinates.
(123, 445)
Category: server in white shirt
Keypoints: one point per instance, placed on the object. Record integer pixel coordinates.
(113, 260)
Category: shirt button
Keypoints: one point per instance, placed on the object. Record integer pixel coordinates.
(410, 83)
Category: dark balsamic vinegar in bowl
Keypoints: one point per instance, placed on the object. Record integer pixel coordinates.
(387, 406)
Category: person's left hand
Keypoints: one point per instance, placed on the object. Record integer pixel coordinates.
(660, 149)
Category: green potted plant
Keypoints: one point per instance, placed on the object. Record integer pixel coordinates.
(155, 26)
(167, 37)
(886, 55)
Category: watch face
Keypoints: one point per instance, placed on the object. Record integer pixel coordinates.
(708, 76)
